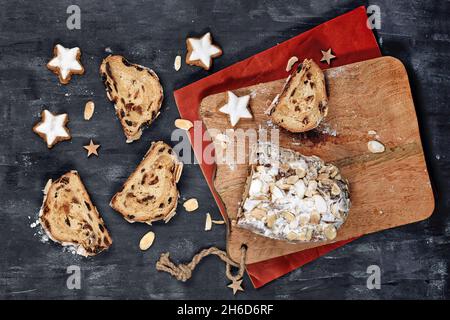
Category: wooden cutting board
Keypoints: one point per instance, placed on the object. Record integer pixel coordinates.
(387, 190)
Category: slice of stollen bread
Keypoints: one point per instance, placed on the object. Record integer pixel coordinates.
(150, 193)
(302, 104)
(69, 217)
(135, 91)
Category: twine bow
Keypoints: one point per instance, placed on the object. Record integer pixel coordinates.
(183, 272)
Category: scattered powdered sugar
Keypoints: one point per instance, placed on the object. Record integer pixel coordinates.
(40, 233)
(325, 128)
(70, 249)
(270, 124)
(334, 72)
(34, 224)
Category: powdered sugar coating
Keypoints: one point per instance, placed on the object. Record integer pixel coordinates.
(293, 197)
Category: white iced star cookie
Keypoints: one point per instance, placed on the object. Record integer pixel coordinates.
(52, 128)
(201, 51)
(236, 108)
(65, 63)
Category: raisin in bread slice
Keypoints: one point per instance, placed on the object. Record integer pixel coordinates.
(302, 104)
(293, 197)
(135, 91)
(151, 193)
(69, 217)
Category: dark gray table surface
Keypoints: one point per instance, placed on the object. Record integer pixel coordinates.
(414, 259)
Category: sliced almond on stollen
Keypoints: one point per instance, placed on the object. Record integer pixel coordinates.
(147, 240)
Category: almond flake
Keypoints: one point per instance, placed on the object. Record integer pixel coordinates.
(335, 190)
(375, 146)
(218, 221)
(178, 172)
(169, 216)
(300, 172)
(288, 216)
(183, 124)
(177, 63)
(258, 213)
(89, 110)
(291, 62)
(147, 240)
(271, 220)
(291, 236)
(330, 232)
(292, 179)
(208, 223)
(47, 186)
(191, 205)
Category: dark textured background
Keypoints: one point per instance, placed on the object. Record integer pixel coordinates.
(413, 259)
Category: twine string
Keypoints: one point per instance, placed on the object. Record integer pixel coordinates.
(183, 272)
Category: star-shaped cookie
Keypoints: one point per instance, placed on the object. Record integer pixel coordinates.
(52, 128)
(236, 286)
(91, 148)
(236, 108)
(327, 56)
(65, 63)
(201, 51)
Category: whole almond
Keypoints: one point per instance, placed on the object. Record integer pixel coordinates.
(191, 205)
(147, 240)
(183, 124)
(89, 110)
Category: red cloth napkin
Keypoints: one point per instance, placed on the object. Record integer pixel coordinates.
(351, 41)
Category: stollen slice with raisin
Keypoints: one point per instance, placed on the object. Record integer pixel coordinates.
(151, 193)
(69, 217)
(135, 91)
(302, 104)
